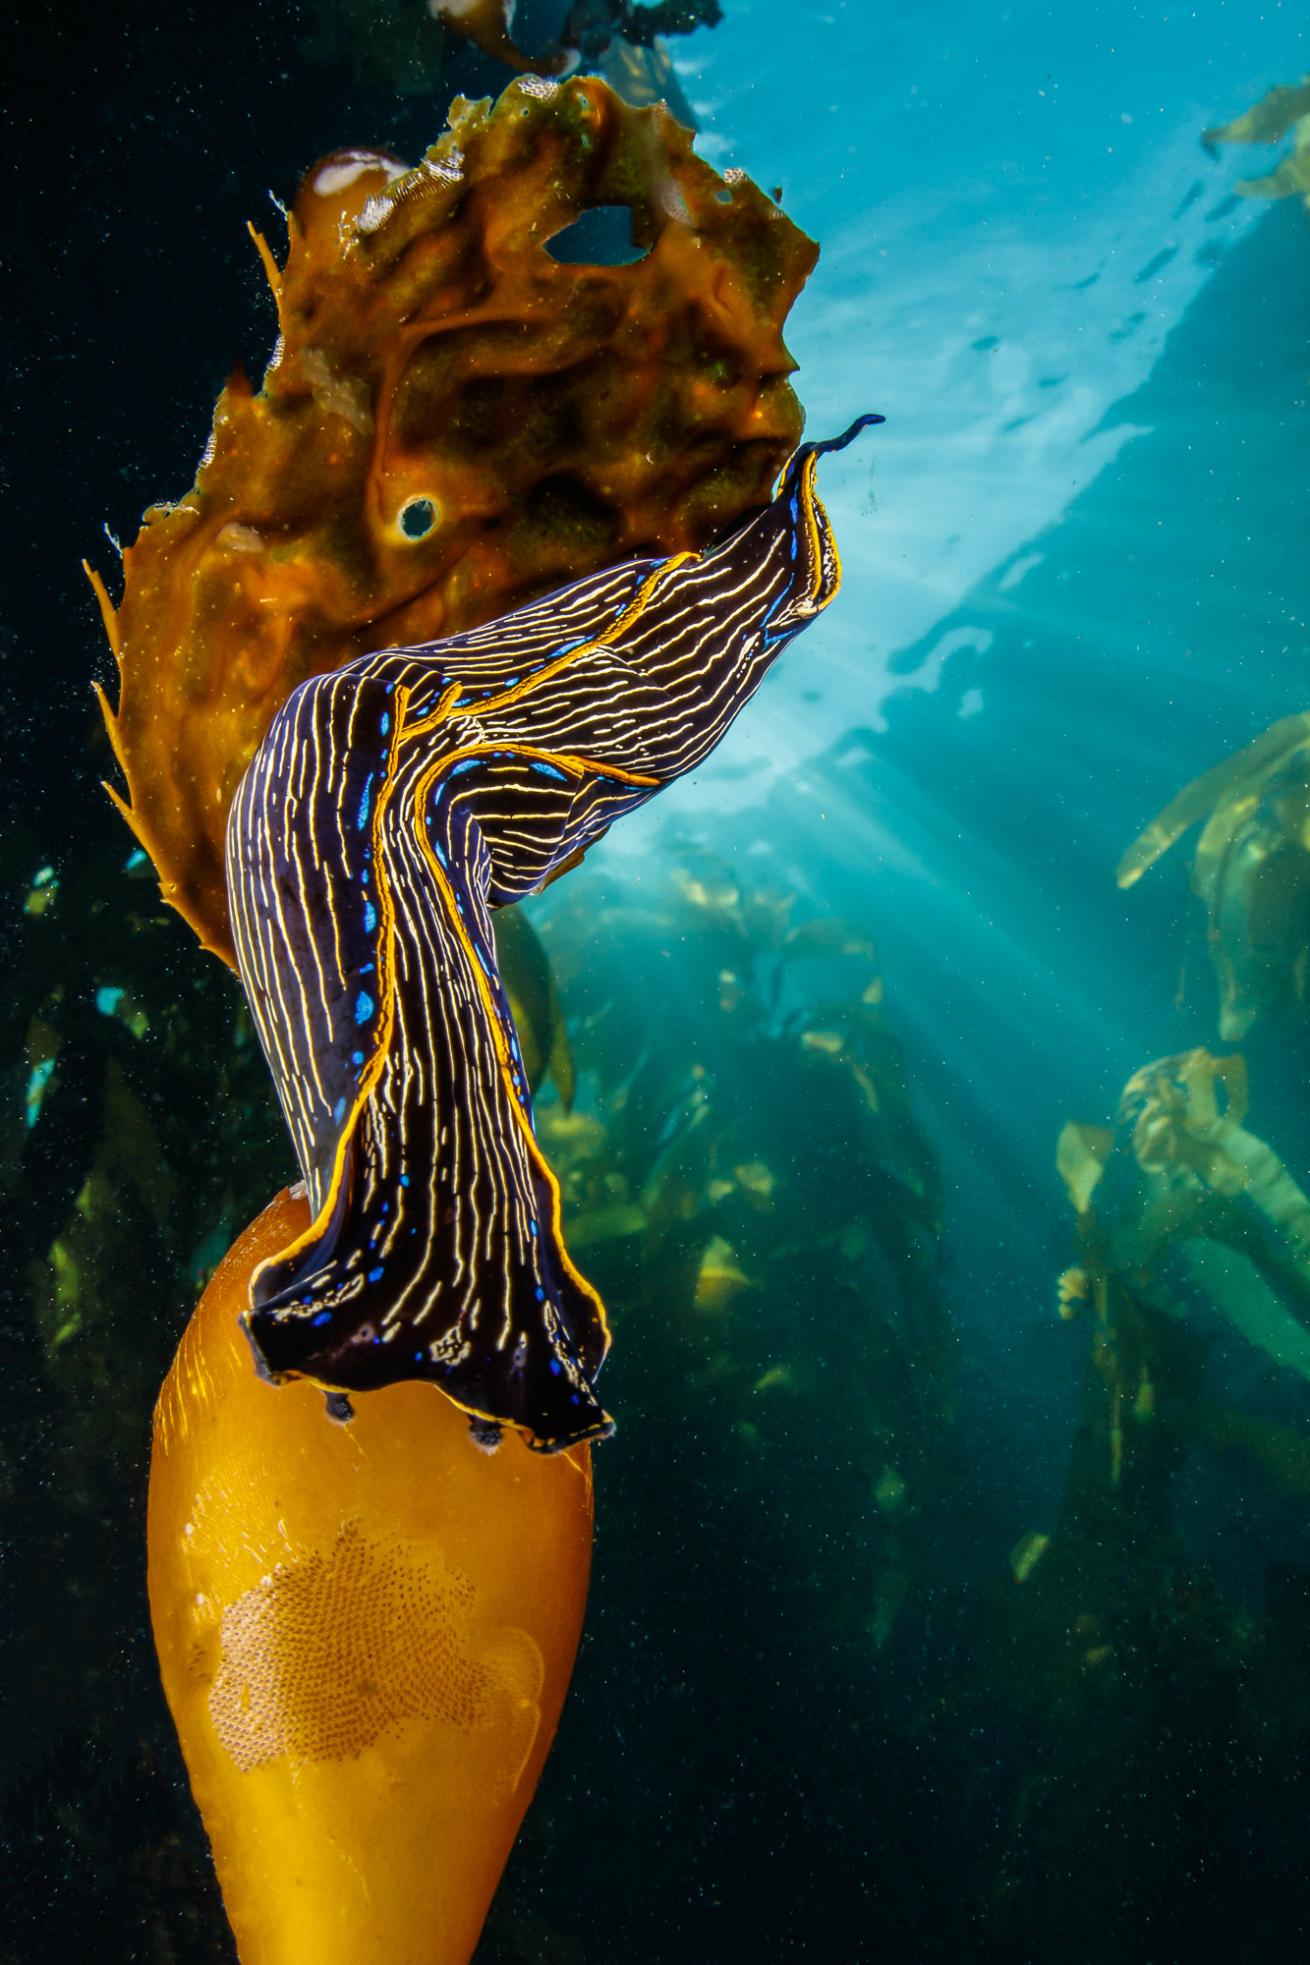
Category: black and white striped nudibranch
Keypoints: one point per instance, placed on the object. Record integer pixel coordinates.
(392, 805)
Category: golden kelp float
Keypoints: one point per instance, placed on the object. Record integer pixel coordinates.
(365, 1634)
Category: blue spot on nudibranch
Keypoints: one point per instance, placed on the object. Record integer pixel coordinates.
(370, 917)
(339, 1110)
(767, 636)
(323, 1317)
(404, 1180)
(363, 1007)
(362, 820)
(465, 764)
(385, 725)
(541, 1294)
(556, 1366)
(549, 771)
(357, 1057)
(375, 1275)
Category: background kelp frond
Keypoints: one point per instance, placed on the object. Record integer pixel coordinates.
(749, 1167)
(454, 420)
(1282, 111)
(1125, 1626)
(1251, 870)
(1182, 1213)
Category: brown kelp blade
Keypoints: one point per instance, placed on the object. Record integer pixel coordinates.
(1283, 111)
(1227, 779)
(454, 420)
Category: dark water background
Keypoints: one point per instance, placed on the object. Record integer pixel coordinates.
(806, 1722)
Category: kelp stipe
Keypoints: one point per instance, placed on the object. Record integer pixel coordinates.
(365, 1633)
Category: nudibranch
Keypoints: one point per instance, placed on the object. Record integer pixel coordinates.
(365, 1635)
(390, 807)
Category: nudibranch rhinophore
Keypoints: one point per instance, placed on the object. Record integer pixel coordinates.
(391, 805)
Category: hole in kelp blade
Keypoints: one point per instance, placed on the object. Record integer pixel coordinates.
(417, 518)
(599, 237)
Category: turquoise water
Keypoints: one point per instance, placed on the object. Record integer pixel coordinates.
(1075, 573)
(924, 1623)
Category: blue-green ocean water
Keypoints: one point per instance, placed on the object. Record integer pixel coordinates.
(1076, 566)
(817, 1713)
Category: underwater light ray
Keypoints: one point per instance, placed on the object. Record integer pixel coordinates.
(985, 959)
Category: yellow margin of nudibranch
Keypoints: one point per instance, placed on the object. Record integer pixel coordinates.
(810, 499)
(483, 987)
(813, 504)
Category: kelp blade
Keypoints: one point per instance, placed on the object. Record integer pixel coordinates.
(454, 422)
(365, 1633)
